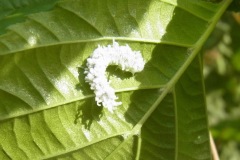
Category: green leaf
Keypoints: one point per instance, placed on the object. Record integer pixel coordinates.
(47, 111)
(179, 123)
(16, 11)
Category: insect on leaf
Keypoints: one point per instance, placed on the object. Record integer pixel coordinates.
(48, 111)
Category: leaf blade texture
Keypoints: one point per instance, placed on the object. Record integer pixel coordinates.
(47, 111)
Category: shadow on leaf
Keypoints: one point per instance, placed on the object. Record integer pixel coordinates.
(88, 112)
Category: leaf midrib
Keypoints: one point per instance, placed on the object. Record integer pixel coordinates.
(176, 77)
(196, 49)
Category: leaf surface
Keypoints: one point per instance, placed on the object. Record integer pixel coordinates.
(47, 111)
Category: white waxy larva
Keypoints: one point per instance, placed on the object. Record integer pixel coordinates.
(97, 63)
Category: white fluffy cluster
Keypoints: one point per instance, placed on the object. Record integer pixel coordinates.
(97, 64)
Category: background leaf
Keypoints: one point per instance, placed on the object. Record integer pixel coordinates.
(222, 79)
(47, 111)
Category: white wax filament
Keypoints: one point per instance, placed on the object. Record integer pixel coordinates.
(102, 57)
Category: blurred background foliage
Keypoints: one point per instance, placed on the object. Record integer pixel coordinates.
(221, 55)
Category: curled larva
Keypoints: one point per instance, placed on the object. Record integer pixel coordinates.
(97, 63)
